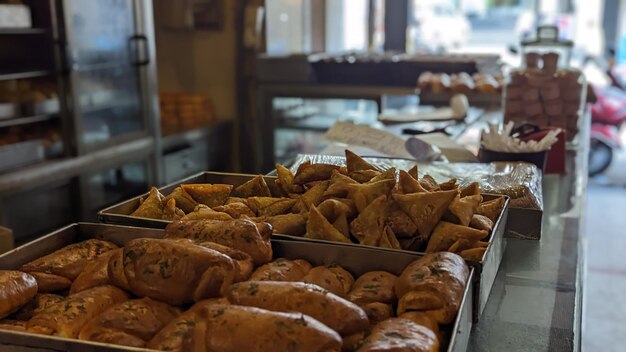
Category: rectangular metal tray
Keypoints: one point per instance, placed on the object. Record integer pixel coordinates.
(486, 269)
(354, 259)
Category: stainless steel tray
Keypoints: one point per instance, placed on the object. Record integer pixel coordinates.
(486, 269)
(357, 260)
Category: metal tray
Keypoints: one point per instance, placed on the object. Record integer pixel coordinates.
(486, 269)
(355, 260)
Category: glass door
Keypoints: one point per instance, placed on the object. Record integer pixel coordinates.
(103, 58)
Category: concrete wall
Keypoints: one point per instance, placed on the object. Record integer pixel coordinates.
(197, 60)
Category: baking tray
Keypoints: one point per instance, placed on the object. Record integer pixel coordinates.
(486, 269)
(355, 260)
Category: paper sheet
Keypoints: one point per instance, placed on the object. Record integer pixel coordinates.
(369, 137)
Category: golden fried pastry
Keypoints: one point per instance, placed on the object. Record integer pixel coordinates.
(475, 254)
(369, 226)
(13, 325)
(425, 208)
(37, 305)
(208, 194)
(131, 323)
(389, 174)
(428, 183)
(67, 317)
(16, 289)
(236, 210)
(373, 286)
(286, 224)
(365, 193)
(229, 328)
(203, 212)
(332, 278)
(270, 206)
(173, 271)
(491, 209)
(461, 210)
(377, 312)
(335, 312)
(408, 184)
(400, 335)
(284, 181)
(448, 185)
(337, 186)
(356, 163)
(389, 239)
(400, 222)
(69, 261)
(446, 234)
(282, 269)
(183, 200)
(241, 234)
(362, 176)
(434, 284)
(171, 212)
(312, 197)
(334, 208)
(151, 207)
(413, 172)
(256, 187)
(352, 342)
(481, 222)
(423, 319)
(308, 172)
(470, 190)
(232, 200)
(318, 227)
(170, 337)
(96, 273)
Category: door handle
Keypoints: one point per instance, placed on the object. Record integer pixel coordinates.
(138, 47)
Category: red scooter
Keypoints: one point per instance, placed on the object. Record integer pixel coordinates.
(608, 115)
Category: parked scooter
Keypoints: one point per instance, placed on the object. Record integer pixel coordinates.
(608, 115)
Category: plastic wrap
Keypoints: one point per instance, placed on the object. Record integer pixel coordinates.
(520, 181)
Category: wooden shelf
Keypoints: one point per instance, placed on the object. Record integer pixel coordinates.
(26, 120)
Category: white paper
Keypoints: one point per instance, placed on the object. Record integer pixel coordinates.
(369, 137)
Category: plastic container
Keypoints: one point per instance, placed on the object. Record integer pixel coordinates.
(546, 92)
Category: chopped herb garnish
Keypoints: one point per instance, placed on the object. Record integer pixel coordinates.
(253, 289)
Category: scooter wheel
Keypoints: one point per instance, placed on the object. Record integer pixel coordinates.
(600, 157)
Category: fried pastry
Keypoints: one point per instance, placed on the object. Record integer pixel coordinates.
(428, 183)
(470, 190)
(425, 208)
(491, 209)
(282, 269)
(183, 200)
(286, 224)
(270, 206)
(446, 234)
(308, 172)
(448, 185)
(362, 176)
(256, 187)
(50, 282)
(481, 222)
(16, 289)
(461, 210)
(335, 312)
(423, 319)
(338, 185)
(408, 184)
(475, 254)
(369, 226)
(171, 212)
(318, 227)
(284, 181)
(151, 207)
(211, 195)
(243, 261)
(389, 240)
(356, 163)
(413, 172)
(236, 210)
(389, 174)
(364, 194)
(312, 197)
(13, 325)
(377, 312)
(203, 212)
(400, 223)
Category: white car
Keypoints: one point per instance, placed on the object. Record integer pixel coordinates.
(439, 26)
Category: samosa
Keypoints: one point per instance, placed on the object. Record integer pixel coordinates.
(364, 194)
(308, 172)
(446, 234)
(369, 226)
(356, 163)
(255, 187)
(183, 200)
(171, 212)
(461, 210)
(318, 227)
(408, 184)
(313, 196)
(151, 207)
(425, 208)
(202, 212)
(470, 190)
(481, 222)
(491, 209)
(208, 194)
(269, 206)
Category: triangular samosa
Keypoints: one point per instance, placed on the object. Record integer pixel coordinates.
(364, 194)
(318, 227)
(183, 200)
(337, 186)
(308, 172)
(208, 194)
(446, 234)
(481, 222)
(408, 184)
(356, 163)
(470, 190)
(255, 187)
(369, 226)
(413, 172)
(171, 212)
(151, 207)
(269, 206)
(313, 196)
(491, 209)
(425, 208)
(429, 183)
(202, 212)
(461, 210)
